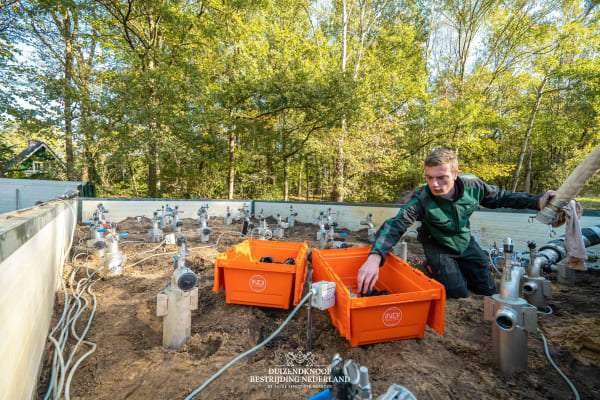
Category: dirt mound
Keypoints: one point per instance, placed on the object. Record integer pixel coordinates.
(130, 362)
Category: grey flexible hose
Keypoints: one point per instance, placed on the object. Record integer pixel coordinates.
(81, 339)
(204, 385)
(566, 379)
(174, 252)
(76, 302)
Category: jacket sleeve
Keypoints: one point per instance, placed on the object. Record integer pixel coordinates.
(392, 229)
(493, 197)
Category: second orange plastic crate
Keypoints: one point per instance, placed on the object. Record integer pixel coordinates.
(248, 281)
(415, 300)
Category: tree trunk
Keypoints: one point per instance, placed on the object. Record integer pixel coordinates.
(152, 169)
(133, 181)
(90, 173)
(152, 136)
(338, 183)
(68, 111)
(231, 165)
(300, 178)
(286, 184)
(534, 110)
(306, 167)
(338, 180)
(320, 184)
(528, 174)
(270, 168)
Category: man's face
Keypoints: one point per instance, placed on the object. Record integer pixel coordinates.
(440, 179)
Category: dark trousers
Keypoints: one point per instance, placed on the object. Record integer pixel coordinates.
(460, 273)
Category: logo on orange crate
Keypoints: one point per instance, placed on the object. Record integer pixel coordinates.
(392, 316)
(257, 283)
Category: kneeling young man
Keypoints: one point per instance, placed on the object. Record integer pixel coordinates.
(444, 207)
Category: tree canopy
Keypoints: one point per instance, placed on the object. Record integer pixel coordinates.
(283, 99)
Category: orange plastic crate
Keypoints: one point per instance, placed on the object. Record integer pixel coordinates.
(415, 300)
(248, 281)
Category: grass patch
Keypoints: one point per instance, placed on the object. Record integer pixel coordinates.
(589, 203)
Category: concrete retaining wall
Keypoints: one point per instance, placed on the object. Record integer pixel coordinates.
(119, 209)
(33, 246)
(16, 194)
(487, 225)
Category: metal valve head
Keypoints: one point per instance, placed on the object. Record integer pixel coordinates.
(508, 245)
(352, 371)
(530, 287)
(506, 319)
(186, 279)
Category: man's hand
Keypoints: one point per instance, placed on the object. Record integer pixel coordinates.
(368, 273)
(545, 199)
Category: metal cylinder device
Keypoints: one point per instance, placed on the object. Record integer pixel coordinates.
(403, 250)
(291, 220)
(155, 234)
(204, 230)
(535, 288)
(322, 233)
(350, 381)
(263, 231)
(98, 242)
(228, 217)
(116, 260)
(175, 220)
(512, 317)
(177, 301)
(368, 221)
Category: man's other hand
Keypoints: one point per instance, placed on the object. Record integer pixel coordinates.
(368, 273)
(546, 197)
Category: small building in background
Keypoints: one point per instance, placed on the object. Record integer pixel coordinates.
(37, 174)
(37, 161)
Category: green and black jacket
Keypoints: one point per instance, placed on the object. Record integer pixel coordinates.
(447, 221)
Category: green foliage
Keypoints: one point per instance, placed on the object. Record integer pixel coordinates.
(173, 97)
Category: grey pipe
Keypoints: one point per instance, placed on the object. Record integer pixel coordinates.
(535, 268)
(555, 250)
(570, 187)
(510, 286)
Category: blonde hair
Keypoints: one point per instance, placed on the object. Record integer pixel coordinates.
(442, 155)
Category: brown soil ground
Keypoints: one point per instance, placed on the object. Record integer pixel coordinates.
(130, 362)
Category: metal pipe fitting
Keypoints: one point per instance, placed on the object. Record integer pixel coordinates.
(530, 288)
(292, 218)
(116, 260)
(506, 319)
(535, 266)
(508, 251)
(368, 221)
(228, 217)
(511, 283)
(512, 320)
(404, 250)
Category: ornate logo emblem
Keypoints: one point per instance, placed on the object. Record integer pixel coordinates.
(392, 317)
(298, 358)
(257, 283)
